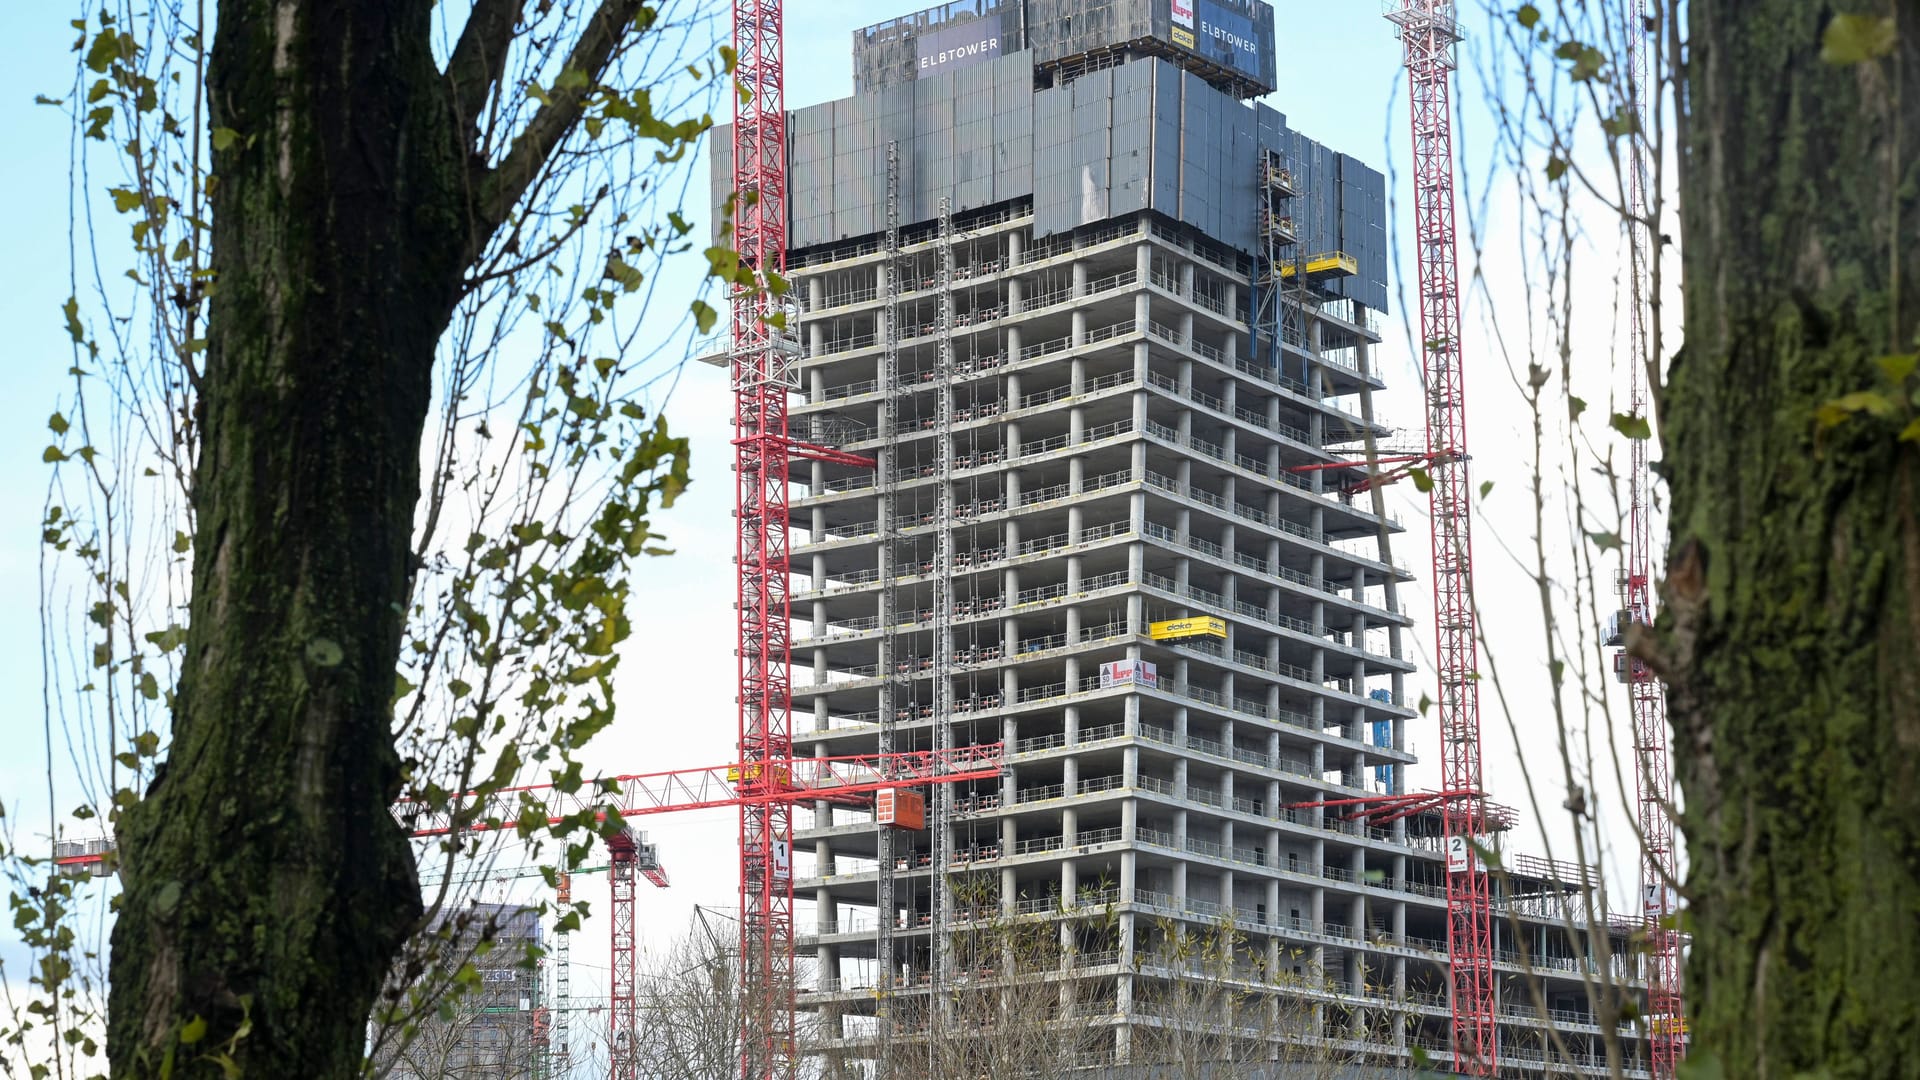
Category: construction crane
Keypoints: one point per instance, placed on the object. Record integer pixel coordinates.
(552, 1024)
(764, 370)
(1428, 33)
(848, 780)
(1647, 698)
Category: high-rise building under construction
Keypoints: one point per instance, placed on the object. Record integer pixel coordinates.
(1110, 328)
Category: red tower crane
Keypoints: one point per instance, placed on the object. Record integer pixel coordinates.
(1648, 700)
(850, 779)
(1428, 33)
(764, 371)
(749, 785)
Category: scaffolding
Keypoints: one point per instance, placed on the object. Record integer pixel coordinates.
(1275, 237)
(895, 688)
(941, 819)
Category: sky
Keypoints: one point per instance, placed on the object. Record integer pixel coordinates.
(1340, 82)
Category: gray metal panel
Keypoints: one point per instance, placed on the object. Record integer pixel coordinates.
(1013, 127)
(1054, 178)
(1092, 144)
(1131, 151)
(1168, 136)
(932, 146)
(1239, 179)
(1198, 188)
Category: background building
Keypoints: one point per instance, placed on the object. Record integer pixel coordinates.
(497, 1030)
(1108, 328)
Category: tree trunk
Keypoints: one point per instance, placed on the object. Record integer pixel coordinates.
(267, 884)
(1791, 639)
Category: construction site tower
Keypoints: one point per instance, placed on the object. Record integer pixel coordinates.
(1429, 33)
(762, 375)
(623, 1034)
(1653, 767)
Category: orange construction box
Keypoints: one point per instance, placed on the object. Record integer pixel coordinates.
(900, 809)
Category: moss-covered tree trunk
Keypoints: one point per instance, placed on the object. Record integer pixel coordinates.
(1792, 633)
(267, 886)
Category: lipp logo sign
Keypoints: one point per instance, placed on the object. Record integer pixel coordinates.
(1183, 13)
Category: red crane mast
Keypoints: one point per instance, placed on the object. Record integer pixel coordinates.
(764, 370)
(1428, 32)
(1648, 699)
(761, 374)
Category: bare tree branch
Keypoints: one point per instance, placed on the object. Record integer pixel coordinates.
(592, 54)
(478, 61)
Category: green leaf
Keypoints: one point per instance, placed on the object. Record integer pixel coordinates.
(71, 309)
(1556, 168)
(106, 48)
(1896, 368)
(1911, 433)
(1853, 39)
(1624, 121)
(97, 121)
(169, 639)
(1486, 486)
(1633, 427)
(1605, 541)
(57, 424)
(224, 138)
(1839, 409)
(1575, 406)
(1422, 479)
(149, 686)
(1528, 16)
(181, 542)
(704, 316)
(52, 455)
(124, 199)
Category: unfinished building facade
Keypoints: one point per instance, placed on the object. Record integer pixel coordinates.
(1110, 331)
